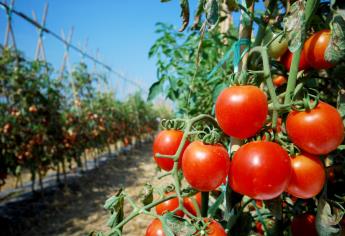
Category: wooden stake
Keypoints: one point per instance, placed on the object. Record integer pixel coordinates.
(40, 53)
(66, 63)
(9, 34)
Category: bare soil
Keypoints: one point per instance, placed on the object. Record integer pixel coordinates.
(78, 209)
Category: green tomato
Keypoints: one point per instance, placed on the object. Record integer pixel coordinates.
(278, 46)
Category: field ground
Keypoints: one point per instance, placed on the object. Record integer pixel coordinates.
(79, 209)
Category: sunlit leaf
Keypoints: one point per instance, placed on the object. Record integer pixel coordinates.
(155, 89)
(294, 25)
(146, 194)
(335, 50)
(328, 217)
(212, 12)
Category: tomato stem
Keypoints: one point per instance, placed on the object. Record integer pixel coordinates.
(204, 203)
(310, 7)
(262, 27)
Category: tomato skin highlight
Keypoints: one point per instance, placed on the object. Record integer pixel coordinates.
(318, 131)
(167, 143)
(188, 203)
(286, 60)
(260, 170)
(303, 225)
(169, 205)
(204, 166)
(155, 228)
(307, 177)
(315, 49)
(241, 111)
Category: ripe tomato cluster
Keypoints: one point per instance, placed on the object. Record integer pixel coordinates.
(262, 170)
(213, 229)
(313, 52)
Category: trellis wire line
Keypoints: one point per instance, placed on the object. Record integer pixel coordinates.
(70, 45)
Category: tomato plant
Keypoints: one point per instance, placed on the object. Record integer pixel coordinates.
(167, 143)
(205, 166)
(260, 170)
(244, 119)
(317, 131)
(241, 111)
(307, 176)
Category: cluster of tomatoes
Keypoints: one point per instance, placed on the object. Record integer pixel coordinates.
(261, 170)
(312, 55)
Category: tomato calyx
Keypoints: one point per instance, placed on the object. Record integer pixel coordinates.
(308, 102)
(211, 135)
(175, 124)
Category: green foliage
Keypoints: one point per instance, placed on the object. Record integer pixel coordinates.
(44, 123)
(178, 75)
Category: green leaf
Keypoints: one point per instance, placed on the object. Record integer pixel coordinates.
(112, 220)
(111, 202)
(199, 11)
(341, 104)
(173, 225)
(165, 0)
(155, 89)
(328, 218)
(294, 25)
(212, 13)
(115, 205)
(146, 195)
(335, 50)
(217, 90)
(212, 210)
(339, 7)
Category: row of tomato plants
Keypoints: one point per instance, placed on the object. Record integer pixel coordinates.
(45, 125)
(271, 155)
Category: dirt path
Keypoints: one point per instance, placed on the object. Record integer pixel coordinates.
(79, 209)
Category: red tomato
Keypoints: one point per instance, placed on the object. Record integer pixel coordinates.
(279, 80)
(318, 131)
(315, 48)
(307, 176)
(205, 166)
(258, 228)
(303, 225)
(286, 59)
(167, 143)
(241, 111)
(169, 205)
(213, 229)
(155, 228)
(188, 203)
(260, 170)
(259, 203)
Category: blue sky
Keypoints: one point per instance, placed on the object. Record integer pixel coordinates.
(123, 31)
